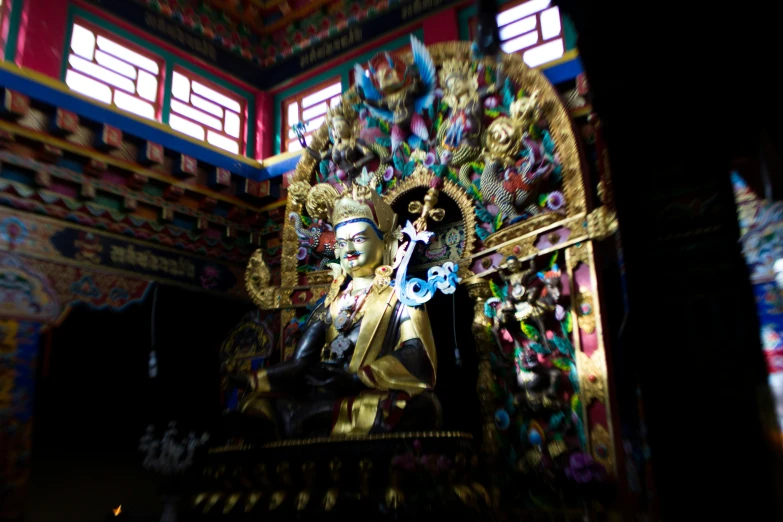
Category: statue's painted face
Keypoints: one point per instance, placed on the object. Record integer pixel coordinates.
(341, 128)
(359, 249)
(553, 287)
(513, 264)
(457, 84)
(388, 79)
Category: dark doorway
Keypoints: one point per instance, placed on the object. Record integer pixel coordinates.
(94, 399)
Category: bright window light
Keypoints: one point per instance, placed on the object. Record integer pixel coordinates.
(88, 86)
(521, 11)
(83, 42)
(180, 86)
(112, 73)
(193, 130)
(233, 123)
(218, 140)
(550, 23)
(533, 29)
(115, 65)
(128, 55)
(323, 94)
(521, 42)
(544, 53)
(519, 27)
(208, 106)
(293, 113)
(314, 111)
(101, 73)
(205, 107)
(147, 86)
(134, 105)
(216, 97)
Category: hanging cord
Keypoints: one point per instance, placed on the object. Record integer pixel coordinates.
(457, 355)
(764, 168)
(153, 362)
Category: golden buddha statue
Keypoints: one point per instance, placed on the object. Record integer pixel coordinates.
(366, 362)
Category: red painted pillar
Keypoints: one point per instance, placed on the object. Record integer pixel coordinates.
(265, 123)
(42, 29)
(441, 27)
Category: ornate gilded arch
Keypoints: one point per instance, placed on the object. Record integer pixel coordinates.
(556, 221)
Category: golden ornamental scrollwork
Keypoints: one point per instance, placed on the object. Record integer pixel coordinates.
(522, 249)
(319, 277)
(522, 228)
(592, 371)
(541, 99)
(601, 445)
(422, 178)
(257, 278)
(579, 253)
(585, 310)
(464, 272)
(601, 223)
(479, 290)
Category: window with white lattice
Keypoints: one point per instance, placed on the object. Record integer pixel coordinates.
(308, 108)
(207, 112)
(531, 28)
(113, 71)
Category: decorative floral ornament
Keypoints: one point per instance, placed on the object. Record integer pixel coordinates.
(583, 469)
(555, 200)
(388, 174)
(502, 420)
(418, 156)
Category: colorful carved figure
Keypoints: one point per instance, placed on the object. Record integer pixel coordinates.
(514, 191)
(318, 238)
(524, 315)
(459, 137)
(348, 152)
(399, 93)
(365, 362)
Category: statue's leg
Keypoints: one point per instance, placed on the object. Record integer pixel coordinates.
(306, 418)
(421, 413)
(256, 418)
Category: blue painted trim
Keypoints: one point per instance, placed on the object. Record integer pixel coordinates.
(143, 131)
(281, 167)
(564, 71)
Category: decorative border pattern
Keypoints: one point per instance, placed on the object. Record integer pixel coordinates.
(78, 246)
(452, 190)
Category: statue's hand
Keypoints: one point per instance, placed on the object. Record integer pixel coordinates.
(237, 380)
(335, 379)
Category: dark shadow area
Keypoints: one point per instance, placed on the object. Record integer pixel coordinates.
(95, 398)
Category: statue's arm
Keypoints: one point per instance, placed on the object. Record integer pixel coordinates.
(320, 156)
(288, 374)
(376, 104)
(367, 154)
(411, 367)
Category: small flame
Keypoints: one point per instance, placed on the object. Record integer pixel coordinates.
(117, 510)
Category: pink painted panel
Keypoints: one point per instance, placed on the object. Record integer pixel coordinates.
(582, 280)
(441, 27)
(41, 41)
